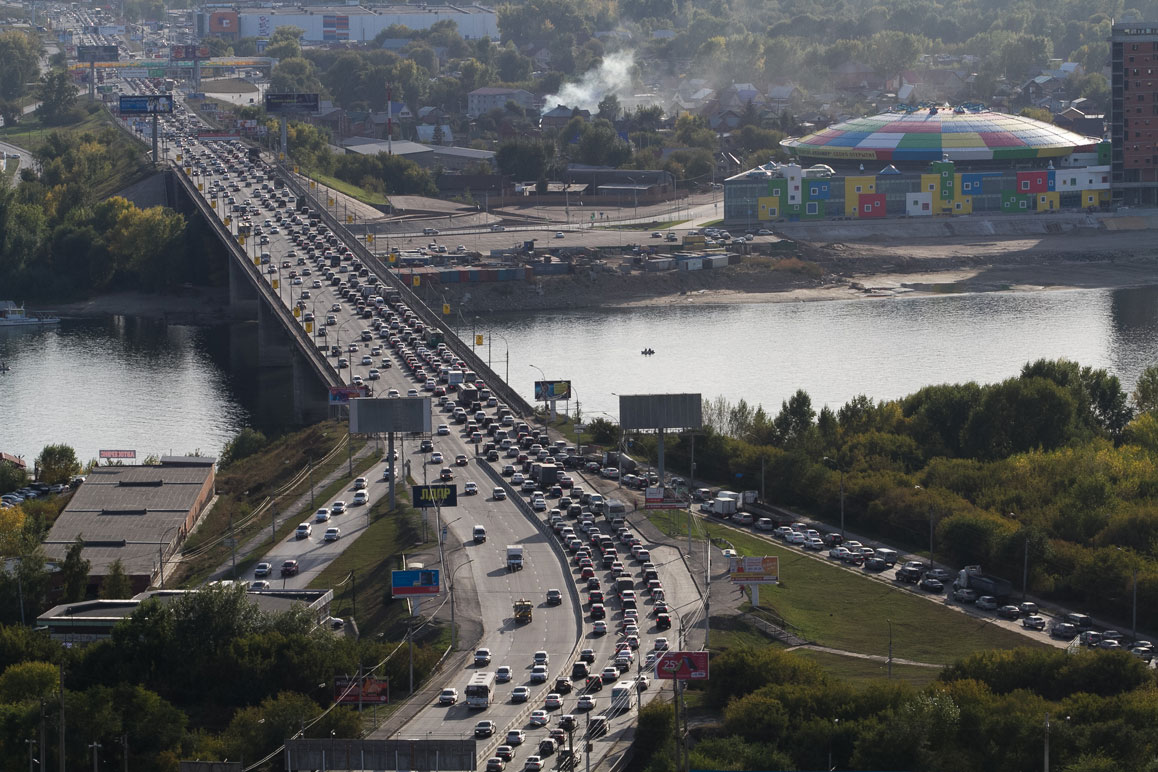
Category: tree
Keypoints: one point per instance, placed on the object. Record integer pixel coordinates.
(116, 584)
(12, 521)
(74, 571)
(1037, 114)
(1146, 390)
(12, 477)
(609, 108)
(890, 51)
(603, 432)
(513, 66)
(57, 95)
(794, 422)
(56, 464)
(18, 64)
(246, 442)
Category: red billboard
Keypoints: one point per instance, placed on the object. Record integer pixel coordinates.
(370, 692)
(682, 665)
(118, 454)
(224, 23)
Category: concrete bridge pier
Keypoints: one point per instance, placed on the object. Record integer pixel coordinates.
(285, 376)
(243, 299)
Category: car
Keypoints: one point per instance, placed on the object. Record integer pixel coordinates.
(1033, 622)
(482, 656)
(262, 569)
(338, 507)
(539, 674)
(940, 574)
(965, 595)
(541, 658)
(558, 234)
(446, 475)
(661, 644)
(1027, 609)
(609, 674)
(520, 694)
(495, 764)
(586, 701)
(929, 584)
(443, 429)
(568, 721)
(504, 673)
(259, 584)
(554, 597)
(533, 764)
(360, 498)
(332, 534)
(470, 489)
(303, 531)
(505, 752)
(498, 494)
(436, 457)
(289, 568)
(599, 627)
(516, 737)
(987, 603)
(449, 696)
(1063, 630)
(562, 685)
(587, 655)
(484, 728)
(538, 718)
(1009, 612)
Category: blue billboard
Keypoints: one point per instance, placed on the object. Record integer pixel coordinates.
(423, 581)
(146, 104)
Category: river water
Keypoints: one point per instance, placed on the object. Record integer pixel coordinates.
(136, 384)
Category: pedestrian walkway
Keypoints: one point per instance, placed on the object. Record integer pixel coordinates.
(858, 655)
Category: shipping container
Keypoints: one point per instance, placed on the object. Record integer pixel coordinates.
(691, 264)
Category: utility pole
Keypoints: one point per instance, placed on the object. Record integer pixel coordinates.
(62, 748)
(95, 749)
(890, 647)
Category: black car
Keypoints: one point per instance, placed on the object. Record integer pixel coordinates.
(562, 685)
(908, 575)
(875, 564)
(662, 622)
(929, 584)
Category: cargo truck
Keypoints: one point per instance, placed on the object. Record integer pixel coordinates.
(514, 557)
(467, 395)
(719, 507)
(984, 584)
(549, 474)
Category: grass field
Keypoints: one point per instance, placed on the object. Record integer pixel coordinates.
(838, 608)
(371, 559)
(858, 671)
(363, 195)
(228, 86)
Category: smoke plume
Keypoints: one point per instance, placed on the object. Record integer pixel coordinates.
(612, 76)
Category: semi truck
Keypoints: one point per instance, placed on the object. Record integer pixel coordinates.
(514, 557)
(524, 610)
(625, 463)
(984, 584)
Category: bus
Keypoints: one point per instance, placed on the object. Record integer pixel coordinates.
(480, 692)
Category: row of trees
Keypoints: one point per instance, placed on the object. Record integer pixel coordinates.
(206, 675)
(1057, 464)
(988, 711)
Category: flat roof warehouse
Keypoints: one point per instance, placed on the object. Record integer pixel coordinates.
(136, 514)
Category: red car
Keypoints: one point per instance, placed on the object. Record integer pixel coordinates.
(587, 573)
(289, 568)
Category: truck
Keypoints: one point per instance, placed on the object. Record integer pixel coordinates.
(984, 584)
(624, 583)
(549, 474)
(514, 557)
(625, 463)
(720, 507)
(467, 395)
(524, 610)
(454, 377)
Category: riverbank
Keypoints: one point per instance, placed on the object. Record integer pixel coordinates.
(188, 305)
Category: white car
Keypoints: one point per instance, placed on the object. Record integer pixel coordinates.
(443, 429)
(360, 498)
(516, 737)
(540, 718)
(436, 457)
(332, 534)
(503, 674)
(470, 489)
(449, 696)
(338, 507)
(321, 516)
(586, 701)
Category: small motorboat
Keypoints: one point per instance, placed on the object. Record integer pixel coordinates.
(647, 352)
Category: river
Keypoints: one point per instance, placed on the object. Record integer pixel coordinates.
(135, 384)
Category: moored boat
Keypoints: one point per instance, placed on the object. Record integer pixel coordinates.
(12, 315)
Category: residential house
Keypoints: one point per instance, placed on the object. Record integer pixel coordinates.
(432, 115)
(781, 98)
(560, 115)
(483, 100)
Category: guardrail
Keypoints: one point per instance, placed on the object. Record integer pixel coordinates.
(500, 387)
(321, 367)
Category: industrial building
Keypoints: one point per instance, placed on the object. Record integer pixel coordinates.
(923, 162)
(1134, 113)
(136, 514)
(338, 23)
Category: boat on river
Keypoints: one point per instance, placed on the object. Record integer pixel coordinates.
(12, 315)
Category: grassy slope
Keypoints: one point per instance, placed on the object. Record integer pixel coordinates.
(363, 195)
(838, 608)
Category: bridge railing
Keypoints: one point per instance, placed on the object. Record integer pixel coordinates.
(430, 318)
(310, 349)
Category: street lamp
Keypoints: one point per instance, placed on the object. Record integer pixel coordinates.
(450, 586)
(919, 488)
(832, 464)
(1134, 588)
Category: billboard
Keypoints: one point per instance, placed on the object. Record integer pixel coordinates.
(223, 23)
(146, 104)
(409, 583)
(118, 454)
(754, 570)
(412, 755)
(97, 53)
(643, 412)
(188, 53)
(549, 390)
(426, 496)
(341, 395)
(653, 499)
(291, 103)
(371, 691)
(682, 665)
(374, 416)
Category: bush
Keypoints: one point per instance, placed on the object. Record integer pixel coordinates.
(247, 442)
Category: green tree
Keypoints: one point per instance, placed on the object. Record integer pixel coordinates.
(1037, 113)
(28, 681)
(513, 66)
(19, 53)
(116, 584)
(793, 423)
(244, 444)
(1146, 390)
(57, 95)
(602, 431)
(609, 108)
(74, 571)
(56, 464)
(12, 477)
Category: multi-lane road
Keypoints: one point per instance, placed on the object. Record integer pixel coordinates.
(478, 571)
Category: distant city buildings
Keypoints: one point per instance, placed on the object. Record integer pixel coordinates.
(1134, 112)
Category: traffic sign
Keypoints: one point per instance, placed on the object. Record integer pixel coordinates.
(426, 496)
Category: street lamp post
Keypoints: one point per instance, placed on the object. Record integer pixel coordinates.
(450, 587)
(1134, 590)
(833, 464)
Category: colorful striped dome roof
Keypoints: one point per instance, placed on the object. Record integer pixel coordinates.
(933, 134)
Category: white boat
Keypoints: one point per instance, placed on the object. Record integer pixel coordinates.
(12, 315)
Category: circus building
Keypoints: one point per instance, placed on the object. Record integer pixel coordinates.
(925, 161)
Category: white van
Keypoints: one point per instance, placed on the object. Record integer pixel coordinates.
(887, 555)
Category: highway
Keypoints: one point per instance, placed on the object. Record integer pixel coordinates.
(485, 588)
